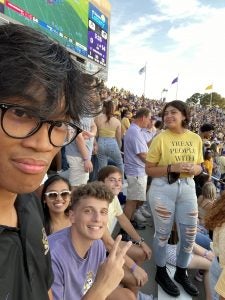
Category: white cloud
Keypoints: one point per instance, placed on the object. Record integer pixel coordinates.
(190, 43)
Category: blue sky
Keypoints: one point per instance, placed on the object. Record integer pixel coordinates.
(174, 37)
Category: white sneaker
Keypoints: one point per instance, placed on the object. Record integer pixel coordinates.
(144, 212)
(142, 296)
(139, 217)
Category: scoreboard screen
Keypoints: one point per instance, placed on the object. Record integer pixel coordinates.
(79, 25)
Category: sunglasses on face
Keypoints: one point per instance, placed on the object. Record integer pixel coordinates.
(54, 195)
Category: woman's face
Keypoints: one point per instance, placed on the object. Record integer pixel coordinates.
(114, 183)
(57, 196)
(173, 118)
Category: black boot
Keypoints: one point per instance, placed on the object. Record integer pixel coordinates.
(166, 283)
(181, 277)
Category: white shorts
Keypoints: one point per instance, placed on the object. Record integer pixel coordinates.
(77, 175)
(136, 189)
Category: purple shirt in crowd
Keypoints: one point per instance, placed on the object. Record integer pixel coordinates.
(73, 275)
(134, 143)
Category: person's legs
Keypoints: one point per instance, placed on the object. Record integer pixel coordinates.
(77, 175)
(121, 293)
(136, 253)
(102, 154)
(136, 193)
(114, 153)
(129, 208)
(162, 197)
(186, 220)
(203, 240)
(202, 263)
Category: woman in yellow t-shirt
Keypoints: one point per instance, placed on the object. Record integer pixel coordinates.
(174, 157)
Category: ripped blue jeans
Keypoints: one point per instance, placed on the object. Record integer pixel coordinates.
(173, 202)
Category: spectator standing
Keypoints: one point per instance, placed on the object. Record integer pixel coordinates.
(135, 151)
(109, 136)
(79, 152)
(174, 157)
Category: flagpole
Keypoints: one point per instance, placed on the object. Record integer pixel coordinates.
(177, 86)
(211, 100)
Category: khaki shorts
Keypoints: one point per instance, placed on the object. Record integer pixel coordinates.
(77, 175)
(136, 189)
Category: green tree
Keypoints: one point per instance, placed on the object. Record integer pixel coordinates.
(206, 100)
(217, 100)
(195, 99)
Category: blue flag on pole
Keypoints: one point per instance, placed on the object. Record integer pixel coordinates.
(175, 80)
(142, 70)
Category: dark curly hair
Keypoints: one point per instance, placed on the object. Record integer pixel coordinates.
(35, 68)
(215, 217)
(94, 189)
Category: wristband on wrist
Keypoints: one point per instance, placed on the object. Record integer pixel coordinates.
(133, 268)
(139, 242)
(85, 159)
(205, 253)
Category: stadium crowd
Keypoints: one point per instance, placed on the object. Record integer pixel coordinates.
(77, 144)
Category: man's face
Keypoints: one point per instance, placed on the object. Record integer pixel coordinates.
(146, 121)
(24, 162)
(89, 218)
(114, 183)
(208, 134)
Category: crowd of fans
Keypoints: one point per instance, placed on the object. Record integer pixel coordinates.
(109, 150)
(168, 156)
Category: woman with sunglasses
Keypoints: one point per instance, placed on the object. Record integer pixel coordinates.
(56, 202)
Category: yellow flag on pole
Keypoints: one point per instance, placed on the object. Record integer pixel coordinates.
(209, 87)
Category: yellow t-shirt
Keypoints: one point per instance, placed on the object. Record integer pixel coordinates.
(208, 164)
(171, 148)
(220, 286)
(218, 244)
(115, 210)
(125, 124)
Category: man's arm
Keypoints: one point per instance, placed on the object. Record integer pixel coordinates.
(109, 274)
(129, 228)
(92, 132)
(142, 156)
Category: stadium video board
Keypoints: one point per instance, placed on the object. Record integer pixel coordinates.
(79, 25)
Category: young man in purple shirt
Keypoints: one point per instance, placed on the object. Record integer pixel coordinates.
(78, 251)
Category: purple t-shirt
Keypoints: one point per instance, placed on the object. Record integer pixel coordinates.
(134, 143)
(73, 275)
